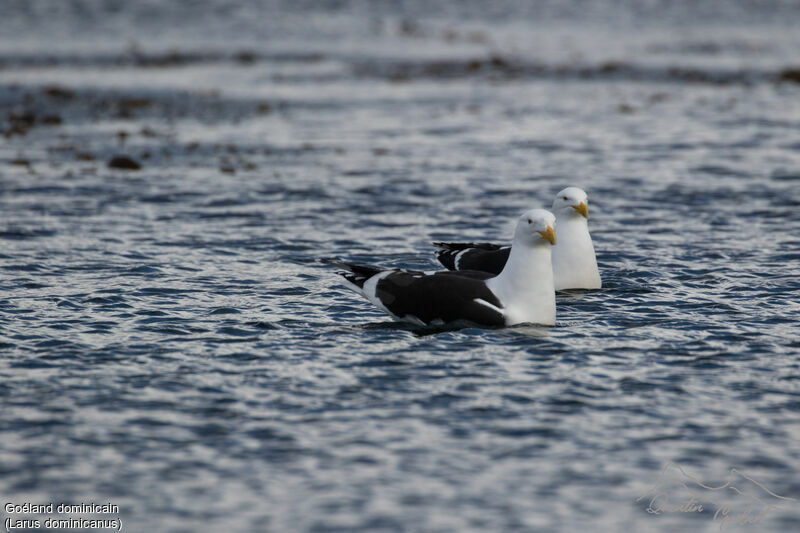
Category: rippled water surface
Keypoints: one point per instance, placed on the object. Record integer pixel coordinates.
(169, 342)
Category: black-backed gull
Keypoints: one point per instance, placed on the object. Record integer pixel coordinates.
(522, 292)
(574, 261)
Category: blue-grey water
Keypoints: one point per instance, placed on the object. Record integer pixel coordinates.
(169, 344)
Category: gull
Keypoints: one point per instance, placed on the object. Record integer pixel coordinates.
(522, 292)
(574, 261)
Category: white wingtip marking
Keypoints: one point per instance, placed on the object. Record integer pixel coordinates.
(487, 304)
(352, 286)
(457, 260)
(414, 320)
(371, 291)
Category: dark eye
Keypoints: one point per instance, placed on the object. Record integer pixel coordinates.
(565, 198)
(529, 221)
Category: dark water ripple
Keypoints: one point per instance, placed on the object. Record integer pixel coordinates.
(169, 342)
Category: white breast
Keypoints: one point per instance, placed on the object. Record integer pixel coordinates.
(574, 262)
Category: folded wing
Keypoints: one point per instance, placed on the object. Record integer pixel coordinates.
(482, 256)
(427, 299)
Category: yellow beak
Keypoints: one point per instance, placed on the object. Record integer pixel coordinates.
(583, 209)
(549, 235)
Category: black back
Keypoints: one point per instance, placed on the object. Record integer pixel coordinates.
(482, 256)
(446, 296)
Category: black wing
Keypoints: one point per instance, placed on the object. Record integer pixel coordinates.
(482, 256)
(442, 297)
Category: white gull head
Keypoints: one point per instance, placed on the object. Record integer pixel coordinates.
(571, 201)
(535, 227)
